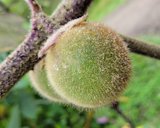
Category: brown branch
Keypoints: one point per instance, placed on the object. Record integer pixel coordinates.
(115, 107)
(142, 48)
(25, 56)
(34, 6)
(65, 13)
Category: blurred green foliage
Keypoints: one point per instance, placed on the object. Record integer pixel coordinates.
(11, 26)
(100, 8)
(24, 108)
(20, 7)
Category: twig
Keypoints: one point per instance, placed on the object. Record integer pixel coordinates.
(89, 119)
(142, 48)
(115, 107)
(4, 7)
(34, 6)
(25, 56)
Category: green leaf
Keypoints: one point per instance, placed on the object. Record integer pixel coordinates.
(15, 119)
(23, 83)
(28, 105)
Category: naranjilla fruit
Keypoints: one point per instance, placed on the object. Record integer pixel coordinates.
(89, 65)
(42, 86)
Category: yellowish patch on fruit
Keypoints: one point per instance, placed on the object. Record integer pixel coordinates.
(89, 65)
(41, 84)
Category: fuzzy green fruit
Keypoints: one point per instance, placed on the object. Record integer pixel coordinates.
(41, 84)
(89, 65)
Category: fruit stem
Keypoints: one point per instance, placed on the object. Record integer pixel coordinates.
(89, 119)
(53, 38)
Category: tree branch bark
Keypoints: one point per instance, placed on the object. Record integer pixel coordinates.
(25, 56)
(142, 48)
